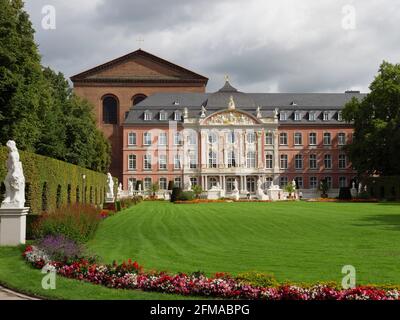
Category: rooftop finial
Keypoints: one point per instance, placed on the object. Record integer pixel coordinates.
(226, 78)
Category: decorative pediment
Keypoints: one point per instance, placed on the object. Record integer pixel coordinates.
(229, 117)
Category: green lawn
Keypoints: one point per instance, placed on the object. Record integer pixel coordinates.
(300, 241)
(15, 273)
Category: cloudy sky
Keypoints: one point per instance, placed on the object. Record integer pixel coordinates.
(263, 45)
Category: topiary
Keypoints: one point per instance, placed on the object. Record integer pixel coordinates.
(176, 192)
(344, 194)
(186, 196)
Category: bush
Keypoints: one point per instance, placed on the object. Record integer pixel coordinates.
(176, 192)
(257, 279)
(186, 196)
(344, 194)
(60, 248)
(77, 222)
(170, 185)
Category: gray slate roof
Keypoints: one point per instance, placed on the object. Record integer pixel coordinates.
(289, 102)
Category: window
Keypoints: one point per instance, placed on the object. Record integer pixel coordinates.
(212, 159)
(311, 116)
(110, 110)
(341, 139)
(284, 161)
(298, 139)
(269, 138)
(313, 161)
(212, 182)
(283, 181)
(162, 139)
(342, 182)
(283, 116)
(251, 159)
(299, 182)
(328, 161)
(297, 116)
(147, 162)
(162, 183)
(283, 138)
(193, 181)
(163, 115)
(312, 139)
(131, 162)
(147, 138)
(326, 116)
(162, 162)
(342, 161)
(212, 138)
(138, 98)
(339, 116)
(230, 184)
(147, 183)
(192, 161)
(192, 138)
(251, 137)
(231, 159)
(329, 181)
(313, 183)
(131, 138)
(268, 161)
(133, 180)
(147, 116)
(298, 161)
(177, 116)
(177, 161)
(268, 181)
(177, 138)
(231, 137)
(178, 182)
(327, 138)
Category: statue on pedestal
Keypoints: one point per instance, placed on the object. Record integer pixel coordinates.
(110, 187)
(15, 180)
(130, 187)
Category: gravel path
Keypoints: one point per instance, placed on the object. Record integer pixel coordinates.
(6, 294)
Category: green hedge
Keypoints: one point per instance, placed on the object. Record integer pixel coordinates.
(52, 183)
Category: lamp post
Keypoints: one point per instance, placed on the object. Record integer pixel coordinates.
(84, 190)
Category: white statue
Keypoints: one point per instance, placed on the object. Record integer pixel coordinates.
(231, 103)
(294, 184)
(185, 112)
(189, 185)
(15, 180)
(140, 187)
(203, 112)
(365, 188)
(120, 188)
(130, 187)
(110, 186)
(276, 112)
(359, 187)
(353, 185)
(236, 186)
(259, 184)
(259, 112)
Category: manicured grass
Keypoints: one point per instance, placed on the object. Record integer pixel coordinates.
(15, 273)
(300, 241)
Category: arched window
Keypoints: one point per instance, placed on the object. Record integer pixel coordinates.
(138, 98)
(110, 110)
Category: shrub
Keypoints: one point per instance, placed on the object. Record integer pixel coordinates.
(60, 248)
(170, 185)
(186, 196)
(176, 192)
(344, 194)
(77, 222)
(257, 279)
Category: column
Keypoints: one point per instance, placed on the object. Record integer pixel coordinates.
(259, 150)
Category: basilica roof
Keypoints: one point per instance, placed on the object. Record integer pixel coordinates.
(169, 103)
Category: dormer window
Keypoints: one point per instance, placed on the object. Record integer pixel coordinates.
(339, 116)
(147, 116)
(175, 103)
(297, 116)
(178, 116)
(311, 116)
(283, 116)
(163, 115)
(326, 116)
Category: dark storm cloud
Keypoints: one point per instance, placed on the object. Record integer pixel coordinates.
(287, 45)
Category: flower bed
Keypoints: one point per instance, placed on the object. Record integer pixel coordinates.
(129, 275)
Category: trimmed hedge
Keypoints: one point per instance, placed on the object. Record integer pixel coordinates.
(51, 183)
(383, 187)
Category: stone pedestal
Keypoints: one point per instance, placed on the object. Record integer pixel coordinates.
(213, 194)
(235, 195)
(261, 195)
(12, 226)
(354, 192)
(275, 194)
(109, 200)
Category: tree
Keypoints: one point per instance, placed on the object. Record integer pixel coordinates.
(289, 188)
(197, 190)
(375, 148)
(153, 189)
(324, 188)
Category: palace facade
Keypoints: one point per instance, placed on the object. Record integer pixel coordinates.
(219, 140)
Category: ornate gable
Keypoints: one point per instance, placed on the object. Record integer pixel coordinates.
(229, 117)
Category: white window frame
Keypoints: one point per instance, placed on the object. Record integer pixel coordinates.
(284, 136)
(342, 161)
(162, 139)
(251, 159)
(298, 161)
(163, 183)
(283, 161)
(147, 162)
(313, 161)
(132, 162)
(327, 136)
(341, 138)
(269, 161)
(314, 135)
(132, 138)
(177, 160)
(328, 160)
(269, 138)
(147, 138)
(148, 116)
(162, 162)
(296, 138)
(297, 116)
(163, 116)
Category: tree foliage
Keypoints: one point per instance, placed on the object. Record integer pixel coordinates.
(375, 148)
(37, 106)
